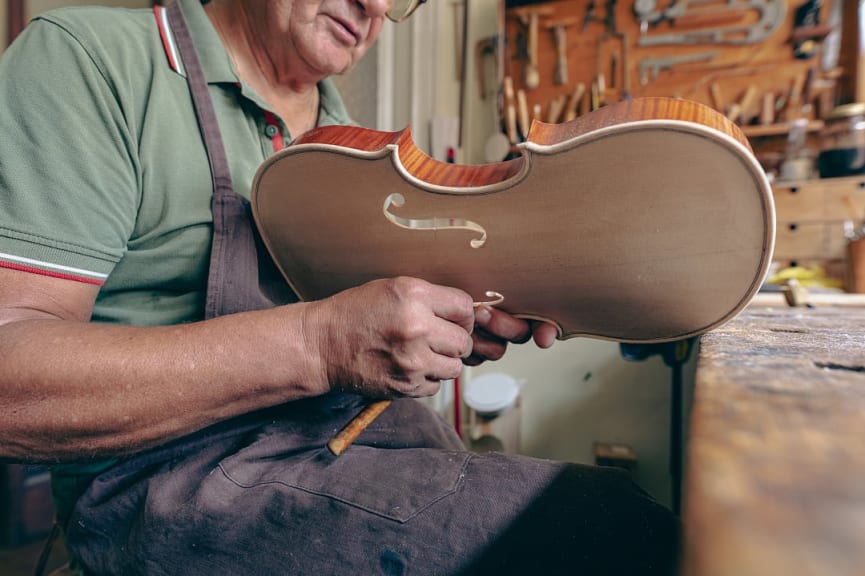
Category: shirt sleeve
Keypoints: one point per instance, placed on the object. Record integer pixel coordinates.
(69, 176)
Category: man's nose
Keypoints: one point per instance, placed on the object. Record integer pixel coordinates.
(375, 8)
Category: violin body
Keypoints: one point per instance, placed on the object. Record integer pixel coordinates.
(645, 221)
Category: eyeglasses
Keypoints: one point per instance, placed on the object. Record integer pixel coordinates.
(401, 9)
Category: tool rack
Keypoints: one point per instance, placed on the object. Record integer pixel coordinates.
(763, 63)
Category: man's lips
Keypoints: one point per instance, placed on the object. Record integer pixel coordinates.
(348, 29)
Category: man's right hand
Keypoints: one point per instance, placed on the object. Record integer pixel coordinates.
(390, 338)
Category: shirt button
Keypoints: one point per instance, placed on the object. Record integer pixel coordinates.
(271, 130)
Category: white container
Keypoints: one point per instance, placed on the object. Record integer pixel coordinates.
(493, 401)
(492, 394)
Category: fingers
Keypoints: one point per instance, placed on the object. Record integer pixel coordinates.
(451, 341)
(452, 305)
(495, 329)
(443, 369)
(502, 325)
(544, 334)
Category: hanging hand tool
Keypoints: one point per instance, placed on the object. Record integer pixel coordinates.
(532, 75)
(767, 109)
(808, 92)
(510, 110)
(832, 43)
(599, 92)
(554, 112)
(772, 15)
(574, 106)
(560, 37)
(746, 105)
(793, 109)
(530, 18)
(590, 15)
(650, 67)
(612, 31)
(740, 108)
(717, 100)
(522, 113)
(707, 20)
(807, 17)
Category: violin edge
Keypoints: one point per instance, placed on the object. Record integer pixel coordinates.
(637, 109)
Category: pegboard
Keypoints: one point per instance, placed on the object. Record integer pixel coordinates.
(749, 61)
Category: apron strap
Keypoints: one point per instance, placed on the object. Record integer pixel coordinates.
(224, 203)
(241, 274)
(201, 101)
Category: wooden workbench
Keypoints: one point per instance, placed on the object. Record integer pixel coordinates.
(775, 480)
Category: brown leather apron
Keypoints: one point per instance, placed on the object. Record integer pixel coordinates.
(261, 494)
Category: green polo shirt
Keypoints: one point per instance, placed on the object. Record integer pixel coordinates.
(103, 173)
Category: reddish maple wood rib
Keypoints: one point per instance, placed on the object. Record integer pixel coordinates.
(650, 108)
(427, 169)
(416, 161)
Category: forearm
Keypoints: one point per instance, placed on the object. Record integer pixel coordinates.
(76, 389)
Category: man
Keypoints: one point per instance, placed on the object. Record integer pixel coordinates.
(152, 353)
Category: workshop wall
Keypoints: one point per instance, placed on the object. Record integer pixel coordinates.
(715, 53)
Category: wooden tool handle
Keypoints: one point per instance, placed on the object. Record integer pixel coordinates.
(523, 113)
(747, 103)
(532, 77)
(572, 108)
(358, 424)
(510, 110)
(717, 100)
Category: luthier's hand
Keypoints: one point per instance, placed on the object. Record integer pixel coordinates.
(495, 329)
(390, 338)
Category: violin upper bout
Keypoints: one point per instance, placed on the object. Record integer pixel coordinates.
(638, 109)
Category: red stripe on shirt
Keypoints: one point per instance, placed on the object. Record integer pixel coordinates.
(276, 139)
(163, 35)
(60, 275)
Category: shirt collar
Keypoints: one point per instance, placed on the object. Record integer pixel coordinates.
(215, 62)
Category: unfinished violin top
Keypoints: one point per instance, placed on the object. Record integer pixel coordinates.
(648, 220)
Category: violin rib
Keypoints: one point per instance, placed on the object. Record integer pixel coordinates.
(645, 221)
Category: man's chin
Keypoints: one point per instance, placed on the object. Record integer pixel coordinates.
(335, 64)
